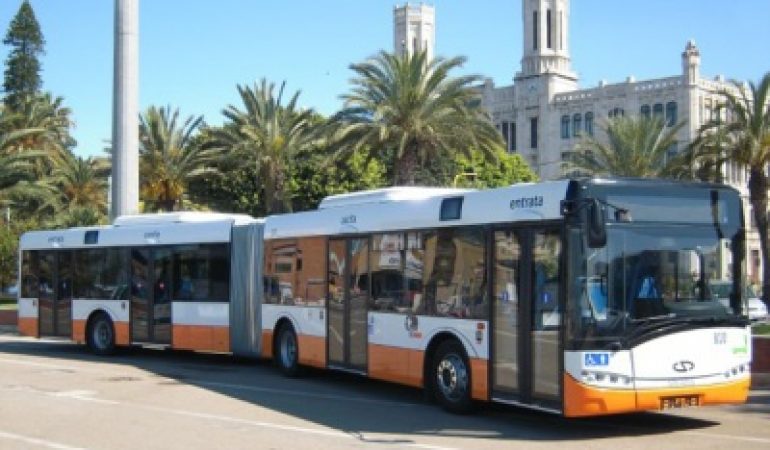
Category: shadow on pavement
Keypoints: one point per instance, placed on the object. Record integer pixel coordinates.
(357, 405)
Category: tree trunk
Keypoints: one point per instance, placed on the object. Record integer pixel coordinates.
(758, 184)
(167, 203)
(275, 200)
(405, 169)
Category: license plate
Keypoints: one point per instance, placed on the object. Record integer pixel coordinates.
(679, 402)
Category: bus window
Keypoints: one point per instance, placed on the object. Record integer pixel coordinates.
(201, 272)
(456, 272)
(29, 274)
(100, 274)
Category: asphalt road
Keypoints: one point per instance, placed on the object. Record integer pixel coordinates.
(56, 395)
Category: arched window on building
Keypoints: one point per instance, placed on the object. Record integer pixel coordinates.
(565, 127)
(577, 124)
(657, 111)
(645, 111)
(590, 123)
(616, 112)
(671, 113)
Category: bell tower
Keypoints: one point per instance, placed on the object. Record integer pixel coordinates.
(546, 39)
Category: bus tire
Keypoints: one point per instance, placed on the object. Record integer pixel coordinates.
(101, 335)
(451, 378)
(287, 351)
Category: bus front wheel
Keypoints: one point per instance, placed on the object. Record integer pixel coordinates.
(287, 351)
(452, 378)
(101, 335)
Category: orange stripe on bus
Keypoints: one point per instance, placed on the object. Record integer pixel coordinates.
(267, 343)
(199, 337)
(28, 326)
(312, 350)
(581, 400)
(122, 333)
(79, 331)
(399, 365)
(479, 379)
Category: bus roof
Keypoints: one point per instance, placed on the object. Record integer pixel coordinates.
(414, 208)
(142, 230)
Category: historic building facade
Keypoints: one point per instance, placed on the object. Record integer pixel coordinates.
(543, 114)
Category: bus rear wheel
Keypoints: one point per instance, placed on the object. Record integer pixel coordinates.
(101, 335)
(287, 351)
(452, 378)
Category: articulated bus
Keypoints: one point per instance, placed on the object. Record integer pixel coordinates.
(581, 297)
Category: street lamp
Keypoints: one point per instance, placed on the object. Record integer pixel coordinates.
(471, 175)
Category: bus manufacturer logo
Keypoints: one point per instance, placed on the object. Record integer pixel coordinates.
(56, 240)
(683, 366)
(597, 359)
(720, 338)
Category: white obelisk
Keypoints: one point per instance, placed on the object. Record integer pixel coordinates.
(125, 126)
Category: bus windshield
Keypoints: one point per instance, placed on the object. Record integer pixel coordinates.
(652, 274)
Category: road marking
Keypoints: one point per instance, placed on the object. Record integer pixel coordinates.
(36, 441)
(87, 396)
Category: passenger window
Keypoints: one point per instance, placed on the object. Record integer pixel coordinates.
(455, 272)
(202, 273)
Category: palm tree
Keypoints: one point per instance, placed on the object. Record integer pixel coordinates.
(410, 108)
(170, 156)
(634, 147)
(79, 183)
(51, 120)
(15, 173)
(745, 140)
(268, 134)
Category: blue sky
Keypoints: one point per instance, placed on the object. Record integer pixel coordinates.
(193, 53)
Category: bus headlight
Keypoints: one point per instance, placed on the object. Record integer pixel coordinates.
(605, 378)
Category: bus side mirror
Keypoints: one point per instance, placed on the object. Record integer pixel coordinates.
(596, 228)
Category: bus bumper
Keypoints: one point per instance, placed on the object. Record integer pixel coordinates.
(581, 400)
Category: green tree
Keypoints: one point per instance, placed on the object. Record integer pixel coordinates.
(22, 72)
(411, 110)
(745, 140)
(269, 134)
(170, 156)
(8, 259)
(478, 172)
(236, 189)
(313, 177)
(79, 183)
(633, 147)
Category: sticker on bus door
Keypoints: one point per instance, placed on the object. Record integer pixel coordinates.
(597, 359)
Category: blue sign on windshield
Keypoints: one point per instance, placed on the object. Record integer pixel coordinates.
(597, 359)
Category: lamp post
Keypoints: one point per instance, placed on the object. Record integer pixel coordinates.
(471, 175)
(125, 123)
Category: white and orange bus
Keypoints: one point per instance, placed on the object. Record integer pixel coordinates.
(581, 297)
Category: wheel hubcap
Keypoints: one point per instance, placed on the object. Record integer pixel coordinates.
(102, 335)
(452, 377)
(288, 349)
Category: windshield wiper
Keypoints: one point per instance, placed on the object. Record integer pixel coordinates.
(653, 318)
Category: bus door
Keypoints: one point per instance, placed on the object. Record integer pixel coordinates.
(151, 295)
(55, 293)
(347, 303)
(526, 316)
